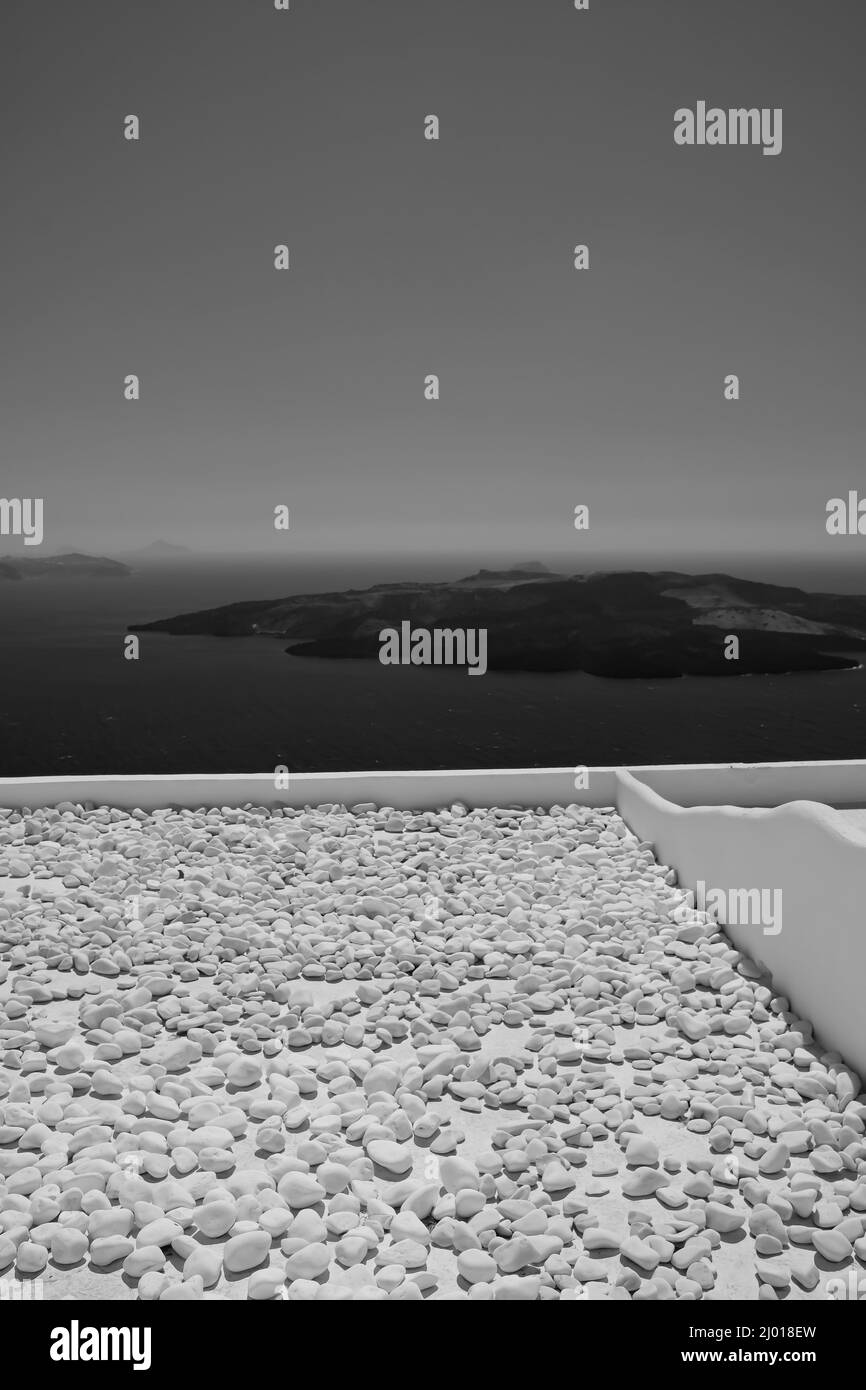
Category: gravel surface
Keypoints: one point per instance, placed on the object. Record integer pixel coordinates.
(359, 1053)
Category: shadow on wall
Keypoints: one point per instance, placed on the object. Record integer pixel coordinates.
(789, 885)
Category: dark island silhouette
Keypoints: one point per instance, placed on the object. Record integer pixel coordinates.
(70, 566)
(629, 624)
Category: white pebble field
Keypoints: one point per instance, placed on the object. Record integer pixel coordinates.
(363, 1054)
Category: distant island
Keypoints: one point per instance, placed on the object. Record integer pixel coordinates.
(628, 624)
(70, 566)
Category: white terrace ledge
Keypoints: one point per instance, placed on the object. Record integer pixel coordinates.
(841, 784)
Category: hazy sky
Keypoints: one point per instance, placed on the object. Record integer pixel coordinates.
(602, 387)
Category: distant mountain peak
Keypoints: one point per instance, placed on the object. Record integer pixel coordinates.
(161, 547)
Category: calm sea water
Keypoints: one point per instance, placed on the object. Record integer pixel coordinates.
(70, 703)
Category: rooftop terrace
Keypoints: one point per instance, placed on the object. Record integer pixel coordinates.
(373, 1052)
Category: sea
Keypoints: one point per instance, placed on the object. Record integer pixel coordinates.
(70, 703)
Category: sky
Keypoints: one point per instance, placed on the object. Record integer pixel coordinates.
(559, 387)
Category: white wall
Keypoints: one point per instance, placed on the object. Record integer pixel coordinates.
(818, 959)
(755, 784)
(402, 790)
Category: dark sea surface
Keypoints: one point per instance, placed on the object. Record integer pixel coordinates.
(71, 704)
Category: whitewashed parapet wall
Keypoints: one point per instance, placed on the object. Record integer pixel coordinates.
(691, 784)
(813, 860)
(400, 790)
